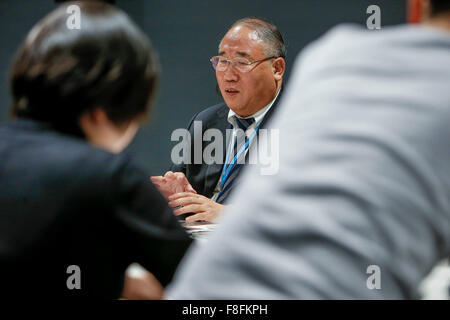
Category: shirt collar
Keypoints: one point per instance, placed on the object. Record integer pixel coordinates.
(259, 115)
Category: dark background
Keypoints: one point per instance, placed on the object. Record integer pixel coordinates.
(186, 34)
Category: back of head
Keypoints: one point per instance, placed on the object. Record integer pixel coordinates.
(60, 72)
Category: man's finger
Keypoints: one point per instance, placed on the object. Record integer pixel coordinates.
(195, 217)
(180, 175)
(185, 194)
(169, 175)
(181, 178)
(156, 178)
(190, 189)
(196, 208)
(185, 201)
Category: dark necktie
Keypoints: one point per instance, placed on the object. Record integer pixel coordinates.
(239, 142)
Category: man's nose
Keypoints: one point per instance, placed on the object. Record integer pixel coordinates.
(230, 74)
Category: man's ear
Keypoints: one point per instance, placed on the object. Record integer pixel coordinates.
(278, 67)
(98, 116)
(93, 118)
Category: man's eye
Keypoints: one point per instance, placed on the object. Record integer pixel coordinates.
(242, 62)
(223, 61)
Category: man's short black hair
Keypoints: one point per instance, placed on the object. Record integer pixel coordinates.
(59, 73)
(439, 6)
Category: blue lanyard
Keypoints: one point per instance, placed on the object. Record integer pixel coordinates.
(228, 168)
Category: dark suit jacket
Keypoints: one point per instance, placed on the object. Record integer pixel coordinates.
(204, 177)
(64, 202)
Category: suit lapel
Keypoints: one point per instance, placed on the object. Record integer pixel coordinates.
(214, 171)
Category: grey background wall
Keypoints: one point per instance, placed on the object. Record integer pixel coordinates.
(186, 34)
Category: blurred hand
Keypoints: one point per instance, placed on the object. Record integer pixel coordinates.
(142, 287)
(172, 183)
(204, 208)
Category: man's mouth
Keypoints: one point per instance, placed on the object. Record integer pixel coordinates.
(231, 91)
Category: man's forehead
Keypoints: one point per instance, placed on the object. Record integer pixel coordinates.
(242, 32)
(241, 39)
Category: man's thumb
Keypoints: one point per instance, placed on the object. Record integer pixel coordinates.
(190, 189)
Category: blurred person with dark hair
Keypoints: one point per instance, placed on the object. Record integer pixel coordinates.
(69, 198)
(249, 70)
(360, 208)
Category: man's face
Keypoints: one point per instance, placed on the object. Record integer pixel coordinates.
(246, 93)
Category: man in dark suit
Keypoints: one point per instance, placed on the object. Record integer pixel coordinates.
(249, 69)
(74, 211)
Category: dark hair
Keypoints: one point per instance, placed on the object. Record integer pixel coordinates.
(439, 6)
(268, 32)
(59, 73)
